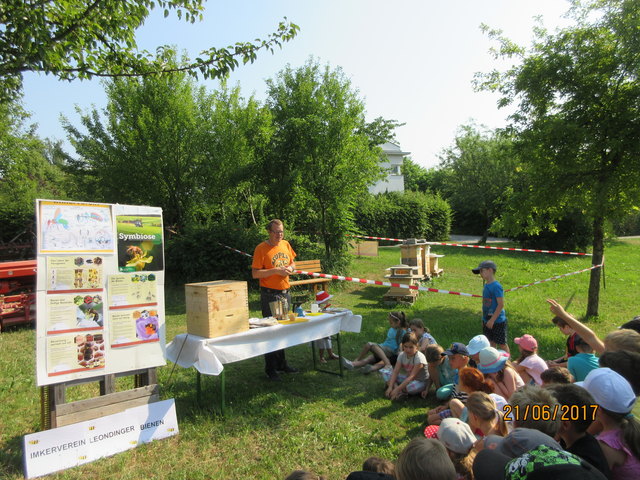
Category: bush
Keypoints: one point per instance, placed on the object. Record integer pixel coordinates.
(629, 225)
(574, 232)
(197, 256)
(404, 215)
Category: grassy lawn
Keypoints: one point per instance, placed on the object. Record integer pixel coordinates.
(312, 420)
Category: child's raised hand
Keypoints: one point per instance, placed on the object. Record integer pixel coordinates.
(555, 307)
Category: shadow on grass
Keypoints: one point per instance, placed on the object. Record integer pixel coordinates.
(11, 457)
(174, 301)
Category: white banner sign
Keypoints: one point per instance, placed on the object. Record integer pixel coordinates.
(65, 447)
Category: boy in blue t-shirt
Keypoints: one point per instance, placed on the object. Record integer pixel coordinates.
(494, 318)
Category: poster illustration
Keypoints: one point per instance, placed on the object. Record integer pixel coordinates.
(75, 227)
(133, 289)
(68, 313)
(74, 273)
(74, 353)
(133, 326)
(139, 242)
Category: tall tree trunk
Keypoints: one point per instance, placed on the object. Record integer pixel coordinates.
(596, 273)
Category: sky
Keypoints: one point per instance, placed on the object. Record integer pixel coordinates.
(410, 60)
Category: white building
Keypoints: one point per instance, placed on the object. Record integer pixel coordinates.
(391, 161)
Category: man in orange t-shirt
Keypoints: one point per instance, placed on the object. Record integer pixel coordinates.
(272, 265)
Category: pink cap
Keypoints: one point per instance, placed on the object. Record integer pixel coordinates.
(527, 342)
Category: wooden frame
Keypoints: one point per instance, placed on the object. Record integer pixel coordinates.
(56, 412)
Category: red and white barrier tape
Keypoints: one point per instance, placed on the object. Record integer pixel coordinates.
(237, 251)
(378, 238)
(369, 282)
(416, 287)
(530, 250)
(386, 284)
(554, 278)
(508, 248)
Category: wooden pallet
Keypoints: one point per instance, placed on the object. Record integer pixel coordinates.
(391, 298)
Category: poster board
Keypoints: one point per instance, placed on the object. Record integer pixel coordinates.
(100, 290)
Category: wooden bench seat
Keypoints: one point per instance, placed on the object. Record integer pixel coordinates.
(312, 266)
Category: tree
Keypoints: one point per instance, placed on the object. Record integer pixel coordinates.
(25, 174)
(90, 38)
(481, 166)
(237, 137)
(321, 157)
(148, 149)
(577, 121)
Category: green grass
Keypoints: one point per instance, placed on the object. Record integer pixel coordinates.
(313, 420)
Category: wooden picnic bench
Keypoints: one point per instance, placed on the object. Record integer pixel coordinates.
(312, 266)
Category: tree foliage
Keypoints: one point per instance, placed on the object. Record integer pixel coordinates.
(481, 167)
(27, 171)
(95, 38)
(165, 141)
(577, 94)
(148, 148)
(321, 157)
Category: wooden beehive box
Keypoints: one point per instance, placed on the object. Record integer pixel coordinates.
(217, 308)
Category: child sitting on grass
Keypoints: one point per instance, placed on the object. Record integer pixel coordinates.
(458, 439)
(556, 376)
(381, 353)
(486, 416)
(410, 373)
(424, 336)
(529, 365)
(470, 380)
(458, 359)
(620, 436)
(583, 362)
(440, 371)
(497, 367)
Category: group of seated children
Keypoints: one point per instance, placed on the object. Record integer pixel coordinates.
(482, 430)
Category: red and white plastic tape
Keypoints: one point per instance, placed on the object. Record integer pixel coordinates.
(464, 245)
(378, 238)
(365, 281)
(416, 287)
(386, 284)
(236, 250)
(556, 277)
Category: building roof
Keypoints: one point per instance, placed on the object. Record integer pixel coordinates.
(392, 149)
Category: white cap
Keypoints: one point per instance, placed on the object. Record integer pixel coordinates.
(456, 435)
(477, 343)
(610, 390)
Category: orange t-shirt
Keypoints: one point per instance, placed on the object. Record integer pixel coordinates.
(267, 256)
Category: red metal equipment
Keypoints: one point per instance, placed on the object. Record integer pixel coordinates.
(17, 292)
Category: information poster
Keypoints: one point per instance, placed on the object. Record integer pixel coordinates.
(100, 290)
(70, 273)
(130, 327)
(139, 241)
(133, 289)
(75, 227)
(69, 313)
(75, 353)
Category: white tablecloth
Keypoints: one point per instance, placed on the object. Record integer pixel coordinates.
(209, 355)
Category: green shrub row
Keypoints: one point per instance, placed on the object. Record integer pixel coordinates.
(198, 256)
(404, 215)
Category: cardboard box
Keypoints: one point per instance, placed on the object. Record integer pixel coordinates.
(217, 308)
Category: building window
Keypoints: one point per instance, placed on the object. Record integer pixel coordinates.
(395, 170)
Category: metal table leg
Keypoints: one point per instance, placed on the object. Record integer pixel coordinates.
(313, 352)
